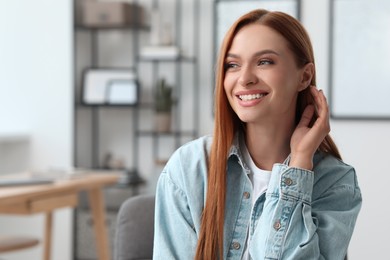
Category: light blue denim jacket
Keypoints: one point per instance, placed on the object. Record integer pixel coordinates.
(303, 214)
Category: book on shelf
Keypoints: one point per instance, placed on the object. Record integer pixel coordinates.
(170, 52)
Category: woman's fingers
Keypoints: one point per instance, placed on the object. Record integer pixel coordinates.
(305, 140)
(322, 108)
(306, 116)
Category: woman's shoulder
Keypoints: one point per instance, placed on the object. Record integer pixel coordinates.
(192, 152)
(327, 162)
(189, 162)
(199, 145)
(331, 172)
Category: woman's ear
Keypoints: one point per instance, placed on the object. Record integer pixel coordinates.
(307, 75)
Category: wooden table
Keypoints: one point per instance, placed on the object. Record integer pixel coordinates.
(62, 193)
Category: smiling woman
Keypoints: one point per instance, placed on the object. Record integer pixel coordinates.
(270, 182)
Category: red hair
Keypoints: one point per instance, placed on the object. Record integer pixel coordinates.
(227, 123)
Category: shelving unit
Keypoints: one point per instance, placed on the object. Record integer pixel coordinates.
(129, 131)
(153, 68)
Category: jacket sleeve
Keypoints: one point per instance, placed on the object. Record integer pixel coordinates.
(292, 226)
(174, 234)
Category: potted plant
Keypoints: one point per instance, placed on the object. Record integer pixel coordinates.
(163, 102)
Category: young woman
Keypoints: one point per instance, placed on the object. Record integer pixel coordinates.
(269, 183)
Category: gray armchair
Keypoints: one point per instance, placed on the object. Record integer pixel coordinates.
(135, 229)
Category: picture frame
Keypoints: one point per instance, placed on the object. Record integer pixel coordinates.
(359, 59)
(110, 87)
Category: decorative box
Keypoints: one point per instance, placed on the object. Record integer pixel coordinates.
(111, 14)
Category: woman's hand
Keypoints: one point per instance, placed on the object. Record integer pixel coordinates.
(305, 141)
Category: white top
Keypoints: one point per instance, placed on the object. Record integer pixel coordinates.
(260, 179)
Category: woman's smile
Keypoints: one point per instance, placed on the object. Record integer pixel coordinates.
(250, 98)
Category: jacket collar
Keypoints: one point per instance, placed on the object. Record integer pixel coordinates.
(236, 152)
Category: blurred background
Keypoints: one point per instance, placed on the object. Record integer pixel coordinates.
(119, 85)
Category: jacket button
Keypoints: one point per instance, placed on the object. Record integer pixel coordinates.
(288, 181)
(246, 195)
(277, 225)
(236, 245)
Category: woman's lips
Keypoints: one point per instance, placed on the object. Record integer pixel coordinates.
(250, 99)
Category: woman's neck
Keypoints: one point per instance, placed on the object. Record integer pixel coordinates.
(268, 144)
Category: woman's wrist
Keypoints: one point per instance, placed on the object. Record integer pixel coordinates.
(303, 162)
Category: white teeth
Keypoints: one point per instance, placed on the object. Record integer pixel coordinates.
(251, 97)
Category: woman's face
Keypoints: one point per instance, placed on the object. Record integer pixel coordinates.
(262, 79)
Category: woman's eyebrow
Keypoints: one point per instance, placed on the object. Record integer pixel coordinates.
(267, 51)
(259, 53)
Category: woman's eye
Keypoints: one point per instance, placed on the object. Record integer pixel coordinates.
(230, 65)
(265, 62)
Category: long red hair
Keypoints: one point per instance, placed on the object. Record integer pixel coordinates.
(227, 123)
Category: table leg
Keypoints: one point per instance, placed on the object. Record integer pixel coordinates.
(48, 232)
(99, 217)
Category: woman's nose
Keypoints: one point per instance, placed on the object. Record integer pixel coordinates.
(247, 77)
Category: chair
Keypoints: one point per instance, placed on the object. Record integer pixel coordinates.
(13, 243)
(135, 229)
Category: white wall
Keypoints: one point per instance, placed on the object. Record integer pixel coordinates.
(36, 98)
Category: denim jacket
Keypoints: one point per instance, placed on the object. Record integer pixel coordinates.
(303, 214)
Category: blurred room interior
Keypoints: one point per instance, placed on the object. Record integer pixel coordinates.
(114, 87)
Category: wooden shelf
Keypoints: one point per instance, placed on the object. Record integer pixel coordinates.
(108, 28)
(169, 133)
